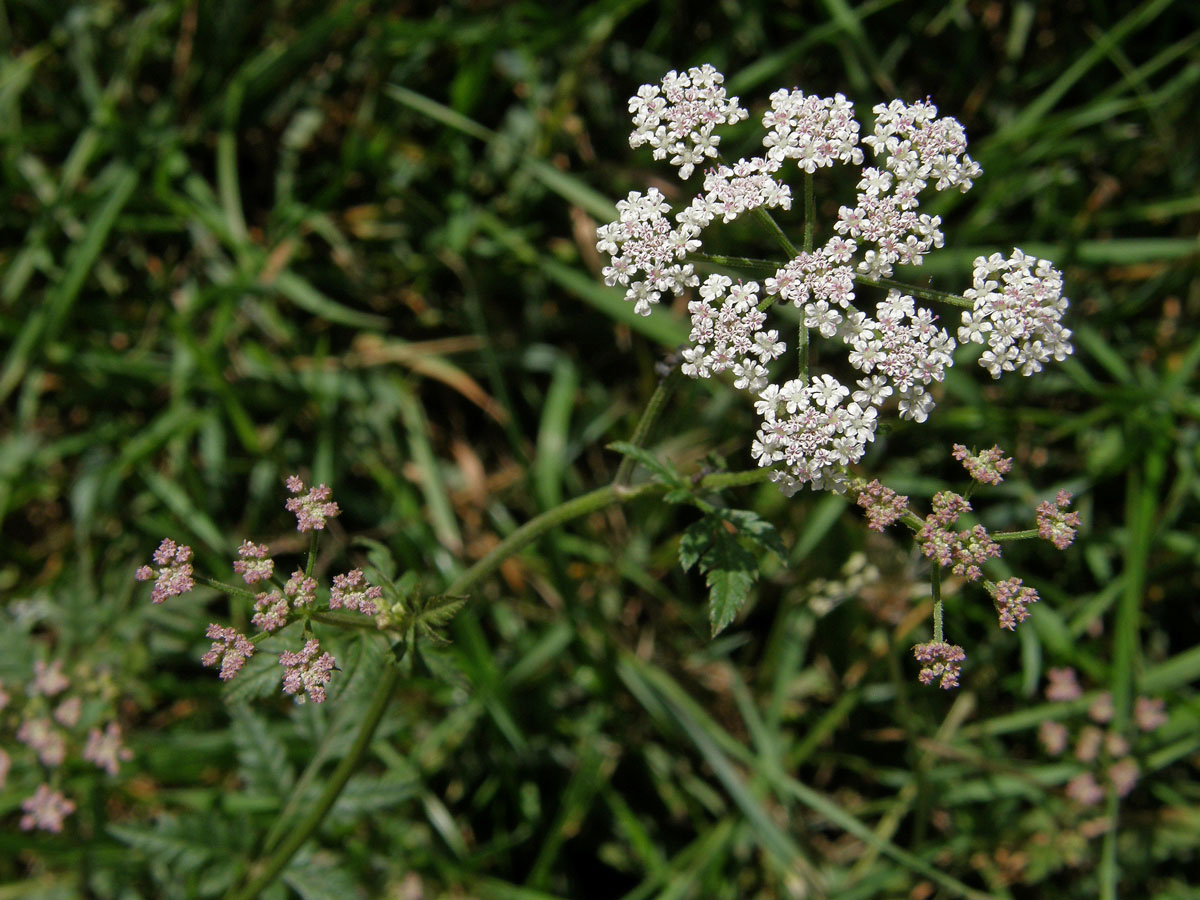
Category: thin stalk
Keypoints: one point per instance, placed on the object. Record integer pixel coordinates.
(776, 232)
(650, 414)
(916, 291)
(275, 864)
(935, 583)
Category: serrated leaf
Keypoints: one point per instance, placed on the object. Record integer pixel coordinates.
(757, 529)
(694, 542)
(440, 609)
(731, 570)
(317, 882)
(728, 591)
(665, 471)
(366, 794)
(262, 756)
(678, 495)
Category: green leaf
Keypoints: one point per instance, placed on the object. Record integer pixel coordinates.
(731, 570)
(729, 590)
(666, 473)
(757, 529)
(694, 542)
(262, 756)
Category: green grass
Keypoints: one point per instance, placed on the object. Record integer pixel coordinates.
(355, 241)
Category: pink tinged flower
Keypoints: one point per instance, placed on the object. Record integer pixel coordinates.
(67, 713)
(1053, 737)
(45, 740)
(347, 593)
(106, 750)
(1087, 748)
(312, 508)
(48, 680)
(230, 648)
(883, 505)
(270, 611)
(1101, 709)
(45, 810)
(1149, 714)
(1084, 790)
(1063, 685)
(941, 663)
(174, 574)
(301, 589)
(1055, 524)
(254, 565)
(1123, 775)
(307, 673)
(1012, 601)
(987, 466)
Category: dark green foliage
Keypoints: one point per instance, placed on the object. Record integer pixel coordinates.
(353, 241)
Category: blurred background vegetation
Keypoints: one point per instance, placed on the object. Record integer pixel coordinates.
(354, 240)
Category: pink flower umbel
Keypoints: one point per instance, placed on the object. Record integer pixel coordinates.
(346, 593)
(254, 565)
(270, 611)
(174, 575)
(307, 673)
(313, 508)
(1053, 737)
(106, 750)
(987, 466)
(301, 589)
(1055, 524)
(45, 810)
(941, 663)
(1149, 714)
(1063, 685)
(1084, 790)
(1012, 600)
(883, 505)
(230, 648)
(45, 740)
(49, 680)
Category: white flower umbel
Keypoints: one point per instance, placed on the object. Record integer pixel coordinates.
(679, 117)
(812, 426)
(1017, 317)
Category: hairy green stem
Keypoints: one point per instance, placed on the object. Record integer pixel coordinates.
(650, 414)
(924, 293)
(935, 583)
(268, 871)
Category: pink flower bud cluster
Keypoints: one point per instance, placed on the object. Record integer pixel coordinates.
(351, 591)
(306, 673)
(1107, 753)
(273, 608)
(987, 466)
(883, 505)
(254, 565)
(1054, 523)
(940, 662)
(313, 508)
(174, 575)
(50, 731)
(1012, 599)
(963, 552)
